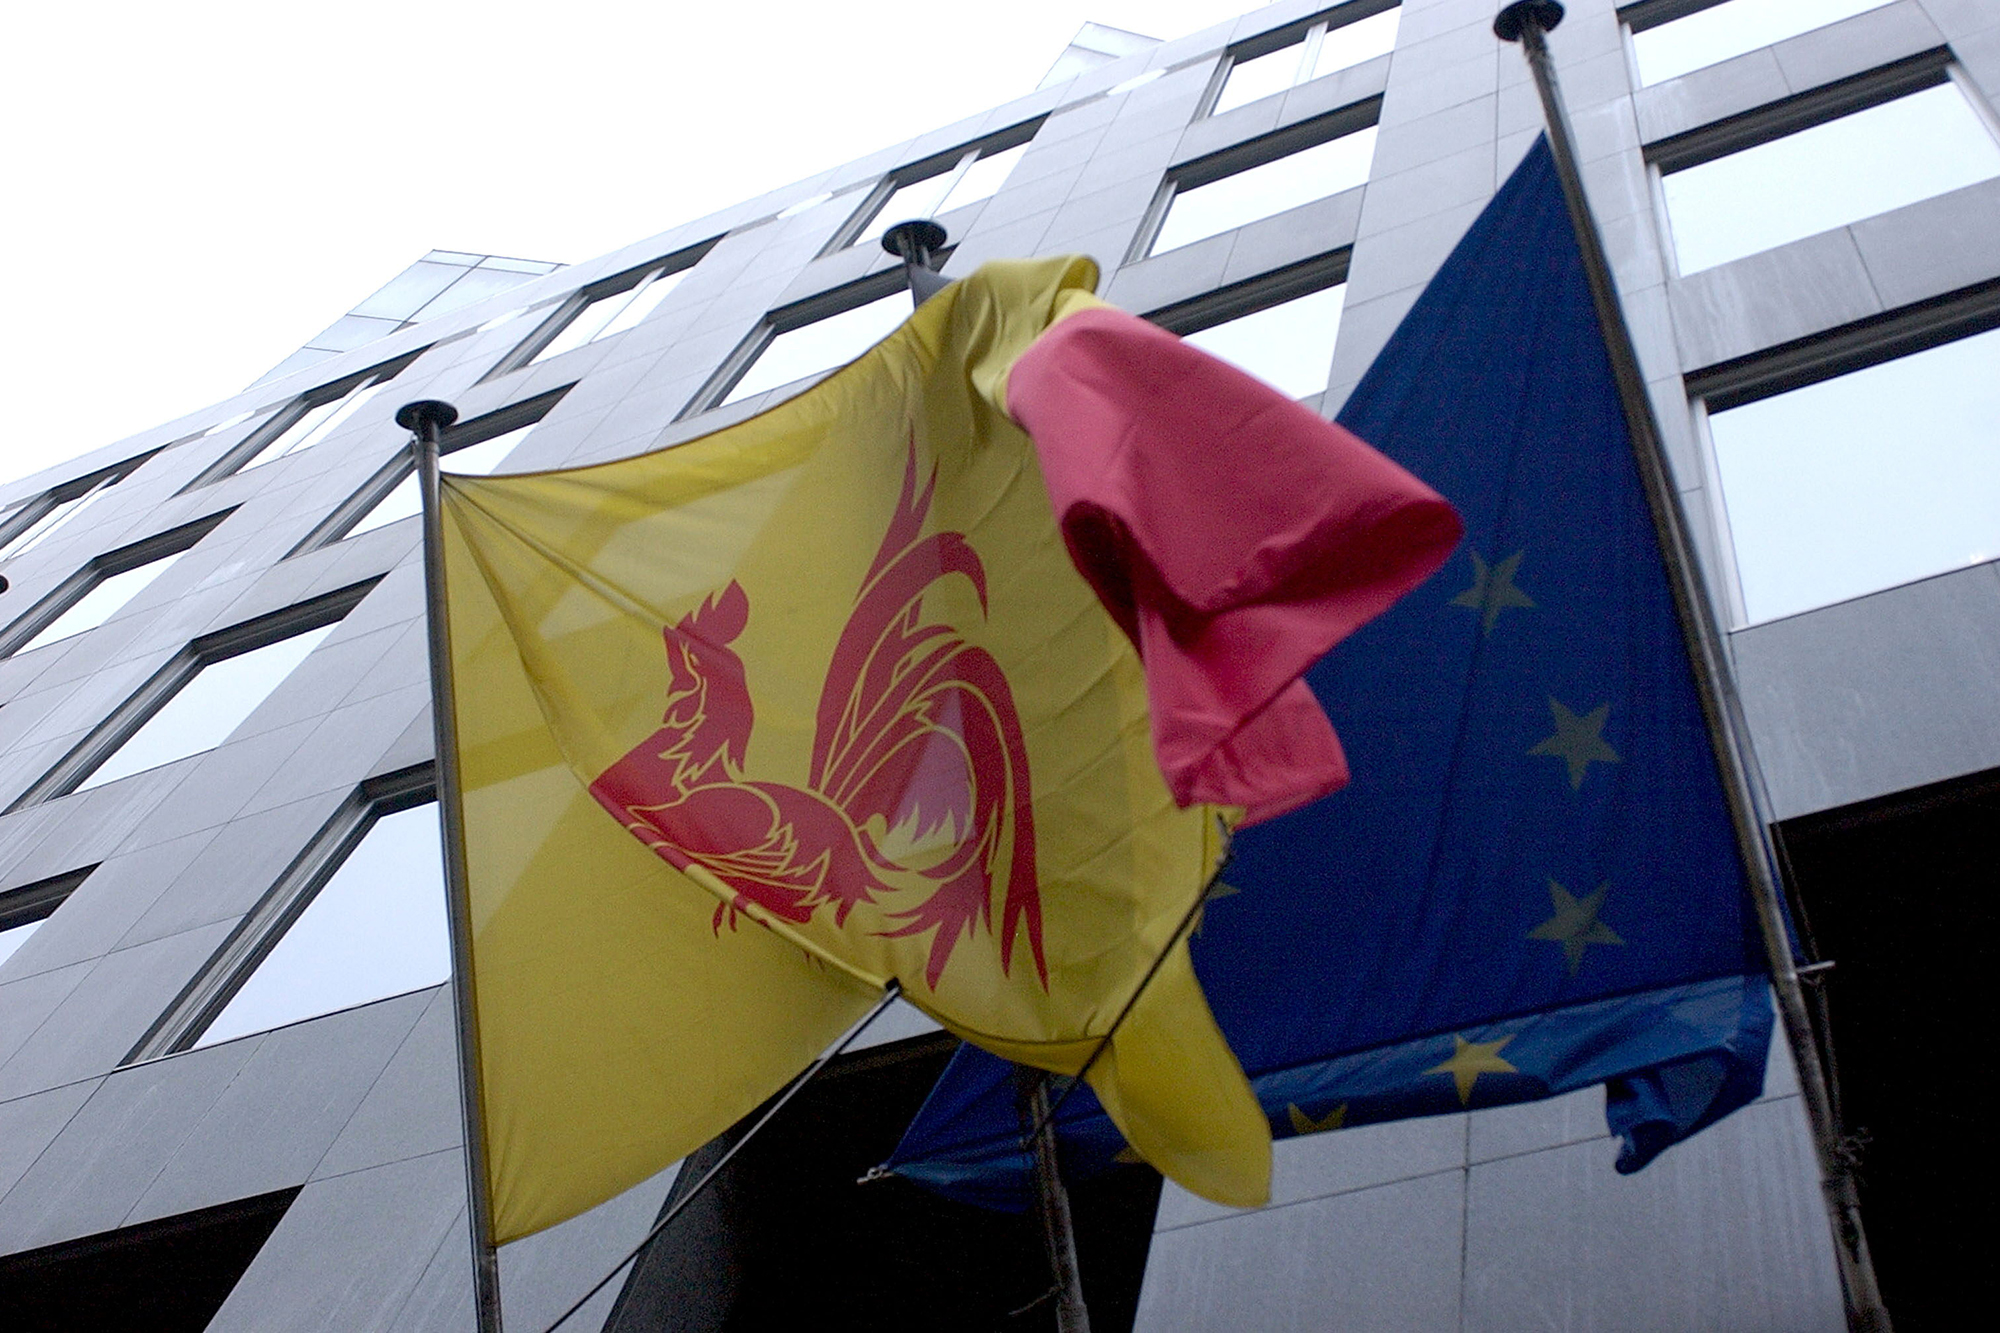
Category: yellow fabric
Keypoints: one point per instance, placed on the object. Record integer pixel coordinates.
(628, 1010)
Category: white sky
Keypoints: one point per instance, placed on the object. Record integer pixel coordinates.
(195, 189)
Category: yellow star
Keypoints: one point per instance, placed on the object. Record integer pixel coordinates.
(1469, 1061)
(1216, 892)
(1575, 925)
(1579, 741)
(1493, 589)
(1305, 1124)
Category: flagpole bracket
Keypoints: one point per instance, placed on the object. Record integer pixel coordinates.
(1542, 15)
(917, 243)
(427, 418)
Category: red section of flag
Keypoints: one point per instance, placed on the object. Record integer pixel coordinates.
(1235, 535)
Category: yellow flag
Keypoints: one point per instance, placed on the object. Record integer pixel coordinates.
(749, 726)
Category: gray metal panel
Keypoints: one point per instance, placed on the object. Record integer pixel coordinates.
(1382, 1259)
(28, 1125)
(1318, 1165)
(1875, 695)
(89, 1178)
(412, 1109)
(350, 1251)
(108, 1011)
(281, 1112)
(1725, 1232)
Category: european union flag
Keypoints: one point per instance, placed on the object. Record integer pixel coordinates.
(1533, 884)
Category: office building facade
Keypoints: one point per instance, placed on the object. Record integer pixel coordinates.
(227, 1085)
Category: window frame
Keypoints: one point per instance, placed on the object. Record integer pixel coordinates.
(1262, 150)
(181, 1025)
(1806, 361)
(568, 309)
(338, 525)
(953, 162)
(287, 414)
(784, 319)
(1803, 111)
(36, 508)
(96, 570)
(138, 708)
(1308, 34)
(1255, 294)
(27, 904)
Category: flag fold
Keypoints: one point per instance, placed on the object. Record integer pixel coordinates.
(1533, 885)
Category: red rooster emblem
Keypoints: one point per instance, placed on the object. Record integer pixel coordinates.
(918, 787)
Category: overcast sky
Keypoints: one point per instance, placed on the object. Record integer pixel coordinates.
(195, 189)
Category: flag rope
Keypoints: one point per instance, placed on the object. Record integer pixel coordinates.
(826, 1057)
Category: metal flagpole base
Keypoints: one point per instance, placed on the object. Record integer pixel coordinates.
(916, 243)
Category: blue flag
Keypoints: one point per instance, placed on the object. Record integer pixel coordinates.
(1533, 884)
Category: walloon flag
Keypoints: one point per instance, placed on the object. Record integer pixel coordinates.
(1532, 885)
(874, 686)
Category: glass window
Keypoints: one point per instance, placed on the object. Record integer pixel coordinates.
(611, 314)
(918, 199)
(822, 345)
(315, 424)
(474, 460)
(983, 177)
(1259, 77)
(1289, 345)
(1322, 51)
(376, 928)
(102, 602)
(1725, 30)
(1864, 481)
(212, 704)
(1354, 43)
(1234, 201)
(978, 174)
(1827, 176)
(31, 536)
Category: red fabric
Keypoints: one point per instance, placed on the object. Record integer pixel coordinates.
(1235, 535)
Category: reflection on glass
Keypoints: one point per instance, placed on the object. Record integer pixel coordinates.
(1865, 481)
(612, 314)
(375, 929)
(1714, 35)
(101, 602)
(1828, 176)
(1290, 346)
(406, 500)
(207, 708)
(1235, 201)
(833, 341)
(14, 937)
(983, 179)
(1353, 43)
(315, 425)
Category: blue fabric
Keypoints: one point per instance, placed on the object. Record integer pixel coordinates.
(1534, 869)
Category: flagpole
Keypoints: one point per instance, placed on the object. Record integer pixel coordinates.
(427, 420)
(1058, 1228)
(1527, 22)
